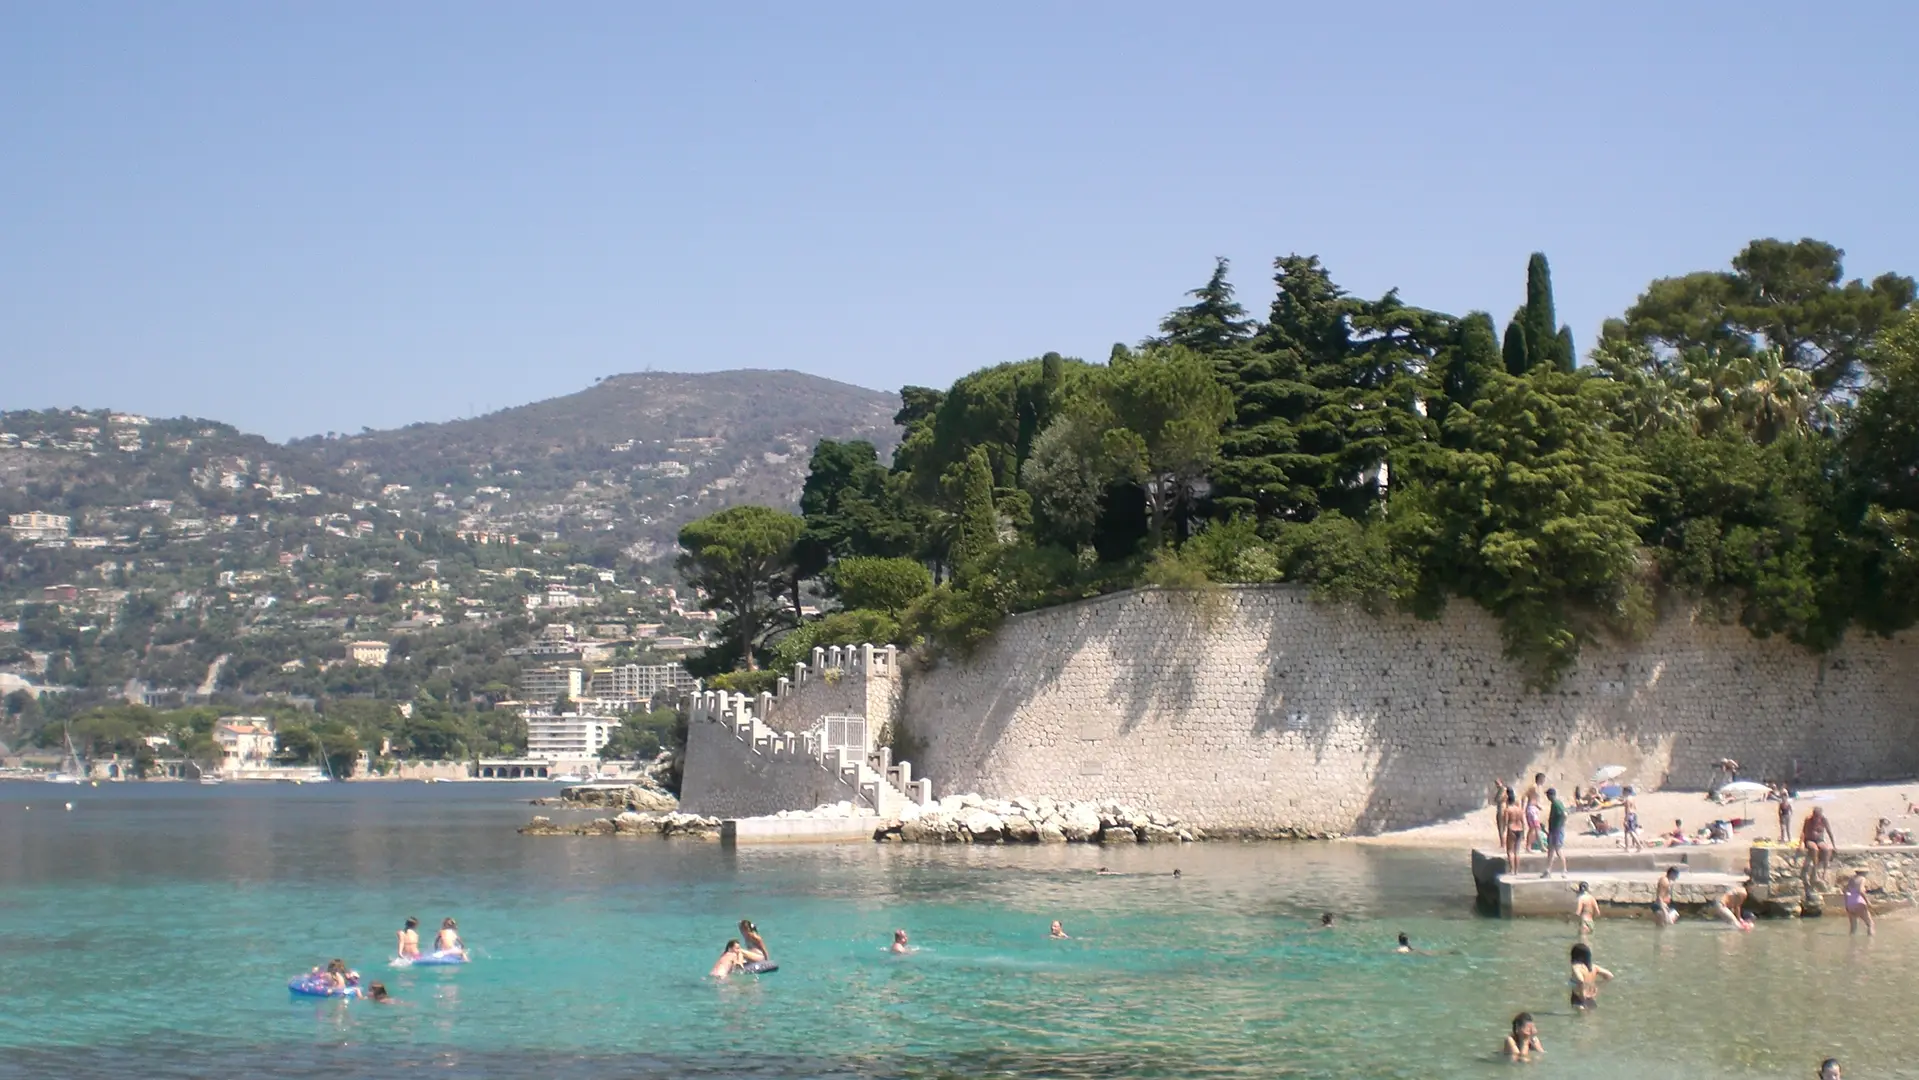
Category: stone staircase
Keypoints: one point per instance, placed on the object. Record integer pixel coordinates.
(873, 781)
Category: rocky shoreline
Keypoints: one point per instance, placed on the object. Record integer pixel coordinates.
(630, 823)
(956, 819)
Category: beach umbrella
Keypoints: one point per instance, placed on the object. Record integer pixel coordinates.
(1744, 789)
(1608, 772)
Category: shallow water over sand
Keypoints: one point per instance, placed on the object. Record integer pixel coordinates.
(150, 933)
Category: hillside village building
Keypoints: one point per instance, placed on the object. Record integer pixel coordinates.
(639, 682)
(550, 684)
(368, 653)
(39, 526)
(246, 743)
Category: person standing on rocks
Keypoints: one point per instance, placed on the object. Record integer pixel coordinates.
(1515, 820)
(1785, 815)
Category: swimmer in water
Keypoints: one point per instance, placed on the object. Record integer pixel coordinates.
(755, 947)
(448, 939)
(1175, 871)
(1587, 908)
(900, 945)
(1731, 907)
(410, 939)
(1857, 908)
(1829, 1069)
(1662, 908)
(1058, 931)
(1405, 944)
(336, 973)
(730, 961)
(1524, 1041)
(1586, 977)
(1325, 921)
(377, 993)
(1103, 872)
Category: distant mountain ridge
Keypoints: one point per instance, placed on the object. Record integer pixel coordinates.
(624, 462)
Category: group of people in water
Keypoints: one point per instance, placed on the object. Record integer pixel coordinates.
(343, 981)
(446, 942)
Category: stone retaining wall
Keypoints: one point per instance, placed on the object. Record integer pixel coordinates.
(1780, 879)
(1262, 710)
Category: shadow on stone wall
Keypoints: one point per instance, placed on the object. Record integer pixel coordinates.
(1427, 713)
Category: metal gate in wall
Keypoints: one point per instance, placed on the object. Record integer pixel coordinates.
(843, 731)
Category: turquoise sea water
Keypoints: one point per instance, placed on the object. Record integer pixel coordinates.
(150, 932)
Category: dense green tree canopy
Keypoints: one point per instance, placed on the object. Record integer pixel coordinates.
(1390, 455)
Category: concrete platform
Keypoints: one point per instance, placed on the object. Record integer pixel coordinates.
(775, 830)
(1489, 867)
(1620, 892)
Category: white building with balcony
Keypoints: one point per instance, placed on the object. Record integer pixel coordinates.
(572, 737)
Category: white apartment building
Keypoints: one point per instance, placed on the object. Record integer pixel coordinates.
(38, 526)
(553, 683)
(246, 743)
(639, 682)
(568, 737)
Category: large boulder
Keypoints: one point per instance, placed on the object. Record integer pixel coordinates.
(1050, 833)
(1158, 834)
(649, 801)
(1080, 823)
(542, 826)
(982, 825)
(1118, 834)
(1020, 830)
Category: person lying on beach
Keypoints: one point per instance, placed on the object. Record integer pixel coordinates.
(900, 945)
(1884, 833)
(1524, 1040)
(755, 947)
(1058, 931)
(1662, 908)
(410, 938)
(730, 961)
(1678, 834)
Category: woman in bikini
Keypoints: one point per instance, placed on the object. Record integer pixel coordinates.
(1586, 977)
(1857, 908)
(410, 939)
(1515, 820)
(755, 946)
(1815, 835)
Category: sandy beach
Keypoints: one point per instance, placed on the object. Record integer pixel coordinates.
(1853, 811)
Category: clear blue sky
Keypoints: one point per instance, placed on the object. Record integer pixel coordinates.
(311, 217)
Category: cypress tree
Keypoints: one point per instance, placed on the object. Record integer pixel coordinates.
(1533, 337)
(976, 532)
